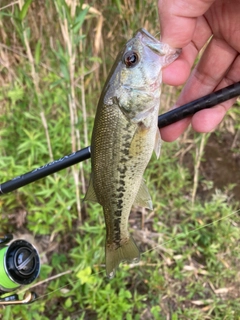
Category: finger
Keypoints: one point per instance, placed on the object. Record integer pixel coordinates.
(223, 17)
(208, 74)
(173, 131)
(210, 70)
(178, 19)
(178, 72)
(206, 120)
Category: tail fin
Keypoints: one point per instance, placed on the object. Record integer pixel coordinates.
(127, 252)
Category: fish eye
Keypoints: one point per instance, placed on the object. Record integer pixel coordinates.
(131, 59)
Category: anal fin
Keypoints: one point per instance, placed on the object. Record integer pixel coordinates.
(143, 198)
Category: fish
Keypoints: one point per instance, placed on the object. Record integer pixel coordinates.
(124, 135)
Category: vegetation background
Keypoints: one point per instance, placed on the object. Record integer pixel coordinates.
(54, 58)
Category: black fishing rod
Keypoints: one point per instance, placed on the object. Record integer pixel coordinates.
(164, 120)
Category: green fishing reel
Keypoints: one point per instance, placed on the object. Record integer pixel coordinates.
(19, 266)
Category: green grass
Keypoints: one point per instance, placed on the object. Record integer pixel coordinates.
(55, 60)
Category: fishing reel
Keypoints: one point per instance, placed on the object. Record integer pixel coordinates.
(19, 266)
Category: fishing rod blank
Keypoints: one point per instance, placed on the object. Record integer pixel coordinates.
(205, 102)
(164, 120)
(45, 170)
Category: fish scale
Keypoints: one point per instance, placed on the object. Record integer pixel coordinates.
(124, 136)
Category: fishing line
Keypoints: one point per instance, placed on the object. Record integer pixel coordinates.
(135, 265)
(191, 231)
(58, 289)
(155, 36)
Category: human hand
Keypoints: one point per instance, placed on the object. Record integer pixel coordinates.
(188, 24)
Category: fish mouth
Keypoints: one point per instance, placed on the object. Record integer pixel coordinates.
(146, 33)
(163, 49)
(160, 48)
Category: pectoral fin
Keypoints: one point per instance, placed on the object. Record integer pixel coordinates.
(90, 194)
(143, 198)
(157, 146)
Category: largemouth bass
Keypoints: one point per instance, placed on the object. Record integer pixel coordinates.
(124, 136)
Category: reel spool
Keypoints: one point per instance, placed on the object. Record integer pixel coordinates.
(19, 266)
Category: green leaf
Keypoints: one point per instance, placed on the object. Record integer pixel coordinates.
(155, 310)
(85, 275)
(118, 3)
(68, 303)
(174, 316)
(37, 52)
(56, 83)
(79, 20)
(24, 10)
